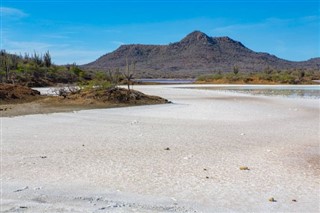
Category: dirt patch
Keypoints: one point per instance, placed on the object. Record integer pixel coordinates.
(115, 95)
(9, 92)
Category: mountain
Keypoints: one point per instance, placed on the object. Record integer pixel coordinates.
(194, 55)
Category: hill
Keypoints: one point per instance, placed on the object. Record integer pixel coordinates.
(194, 55)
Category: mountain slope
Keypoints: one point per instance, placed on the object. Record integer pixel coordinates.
(194, 55)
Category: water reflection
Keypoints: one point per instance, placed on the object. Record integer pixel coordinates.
(287, 91)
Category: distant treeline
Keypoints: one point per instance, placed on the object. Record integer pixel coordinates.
(267, 76)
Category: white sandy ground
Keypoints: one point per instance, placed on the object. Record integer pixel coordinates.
(114, 160)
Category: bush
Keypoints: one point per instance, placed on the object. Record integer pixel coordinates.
(210, 77)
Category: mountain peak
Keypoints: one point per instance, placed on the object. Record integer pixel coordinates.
(195, 36)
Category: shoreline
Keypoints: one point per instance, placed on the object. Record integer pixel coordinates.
(39, 107)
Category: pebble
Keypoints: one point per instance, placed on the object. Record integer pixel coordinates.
(167, 149)
(37, 188)
(134, 122)
(271, 199)
(244, 168)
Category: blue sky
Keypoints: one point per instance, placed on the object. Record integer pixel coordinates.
(81, 30)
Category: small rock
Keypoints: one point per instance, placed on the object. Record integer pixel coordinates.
(43, 157)
(134, 122)
(167, 149)
(207, 177)
(23, 207)
(271, 199)
(294, 200)
(204, 169)
(242, 134)
(244, 168)
(37, 188)
(82, 144)
(19, 190)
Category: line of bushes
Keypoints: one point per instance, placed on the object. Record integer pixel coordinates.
(267, 76)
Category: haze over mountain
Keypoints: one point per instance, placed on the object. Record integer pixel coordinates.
(194, 55)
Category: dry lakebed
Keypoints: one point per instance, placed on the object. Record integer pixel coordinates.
(208, 151)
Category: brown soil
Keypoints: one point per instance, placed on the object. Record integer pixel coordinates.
(115, 95)
(19, 100)
(9, 92)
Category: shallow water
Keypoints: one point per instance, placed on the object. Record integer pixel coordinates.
(166, 81)
(296, 91)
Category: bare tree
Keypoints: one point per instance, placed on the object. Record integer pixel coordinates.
(129, 73)
(64, 91)
(113, 76)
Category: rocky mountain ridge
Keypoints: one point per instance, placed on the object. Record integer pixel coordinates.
(194, 55)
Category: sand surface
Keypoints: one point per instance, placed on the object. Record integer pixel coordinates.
(116, 160)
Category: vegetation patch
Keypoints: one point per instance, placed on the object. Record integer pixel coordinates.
(37, 70)
(268, 76)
